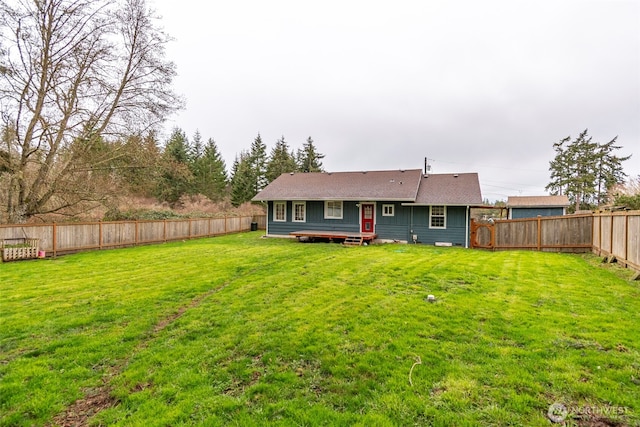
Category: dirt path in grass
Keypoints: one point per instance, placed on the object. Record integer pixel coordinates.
(79, 413)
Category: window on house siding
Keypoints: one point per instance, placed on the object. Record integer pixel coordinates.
(438, 217)
(299, 212)
(388, 210)
(333, 209)
(280, 211)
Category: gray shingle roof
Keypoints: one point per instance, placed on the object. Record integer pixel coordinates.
(537, 201)
(461, 189)
(408, 186)
(398, 185)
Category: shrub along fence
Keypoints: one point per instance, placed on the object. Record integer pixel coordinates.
(60, 238)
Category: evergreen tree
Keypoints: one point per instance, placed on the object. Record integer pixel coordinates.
(242, 182)
(176, 177)
(281, 161)
(258, 165)
(609, 169)
(308, 159)
(138, 164)
(196, 149)
(177, 147)
(210, 172)
(584, 170)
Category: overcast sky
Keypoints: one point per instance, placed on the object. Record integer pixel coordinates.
(475, 86)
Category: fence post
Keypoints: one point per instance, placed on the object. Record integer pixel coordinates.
(593, 231)
(225, 224)
(100, 234)
(189, 229)
(135, 240)
(626, 237)
(539, 232)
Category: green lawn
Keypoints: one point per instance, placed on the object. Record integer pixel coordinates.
(239, 330)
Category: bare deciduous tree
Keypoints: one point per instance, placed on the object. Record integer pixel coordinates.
(74, 74)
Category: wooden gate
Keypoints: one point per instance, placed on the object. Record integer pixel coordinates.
(483, 235)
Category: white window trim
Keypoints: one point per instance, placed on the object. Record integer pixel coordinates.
(275, 218)
(326, 209)
(393, 210)
(293, 212)
(443, 216)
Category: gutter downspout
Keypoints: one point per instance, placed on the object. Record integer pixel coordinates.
(466, 226)
(267, 220)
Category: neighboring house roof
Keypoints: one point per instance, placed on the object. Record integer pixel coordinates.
(537, 201)
(396, 185)
(461, 189)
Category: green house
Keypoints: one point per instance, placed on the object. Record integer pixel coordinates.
(391, 205)
(534, 206)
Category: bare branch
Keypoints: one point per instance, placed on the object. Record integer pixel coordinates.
(75, 71)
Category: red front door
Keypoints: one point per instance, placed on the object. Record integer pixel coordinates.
(367, 212)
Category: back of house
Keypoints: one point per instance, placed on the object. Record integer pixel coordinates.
(388, 205)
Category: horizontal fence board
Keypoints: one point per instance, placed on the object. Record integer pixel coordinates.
(72, 237)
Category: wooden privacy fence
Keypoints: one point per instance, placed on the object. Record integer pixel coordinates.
(614, 234)
(570, 233)
(617, 234)
(59, 238)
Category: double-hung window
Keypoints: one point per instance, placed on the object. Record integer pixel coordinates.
(299, 212)
(438, 217)
(333, 209)
(280, 211)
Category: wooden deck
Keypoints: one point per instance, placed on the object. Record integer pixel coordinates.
(334, 235)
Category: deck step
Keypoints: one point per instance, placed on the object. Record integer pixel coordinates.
(353, 241)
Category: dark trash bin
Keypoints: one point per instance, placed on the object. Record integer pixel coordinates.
(254, 226)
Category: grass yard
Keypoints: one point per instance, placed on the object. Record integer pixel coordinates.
(239, 330)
